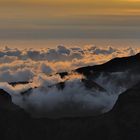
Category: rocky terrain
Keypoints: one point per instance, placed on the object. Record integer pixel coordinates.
(121, 123)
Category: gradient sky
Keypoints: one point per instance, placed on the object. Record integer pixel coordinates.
(42, 19)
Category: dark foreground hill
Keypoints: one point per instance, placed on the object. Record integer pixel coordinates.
(121, 123)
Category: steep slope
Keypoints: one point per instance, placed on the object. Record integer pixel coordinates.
(122, 122)
(115, 65)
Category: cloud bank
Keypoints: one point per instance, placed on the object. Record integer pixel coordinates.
(28, 63)
(39, 67)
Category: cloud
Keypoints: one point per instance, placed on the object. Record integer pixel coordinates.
(39, 66)
(29, 63)
(19, 75)
(73, 100)
(46, 69)
(47, 100)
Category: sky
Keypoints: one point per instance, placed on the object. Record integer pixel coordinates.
(58, 19)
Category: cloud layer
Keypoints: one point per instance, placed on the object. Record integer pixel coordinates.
(45, 99)
(28, 63)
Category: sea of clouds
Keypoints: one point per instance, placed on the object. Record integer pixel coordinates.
(25, 64)
(39, 67)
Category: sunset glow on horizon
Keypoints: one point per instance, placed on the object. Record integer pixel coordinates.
(42, 19)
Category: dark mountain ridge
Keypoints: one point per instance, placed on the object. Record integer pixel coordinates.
(121, 123)
(122, 64)
(114, 65)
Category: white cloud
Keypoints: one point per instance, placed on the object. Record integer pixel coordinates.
(73, 100)
(37, 65)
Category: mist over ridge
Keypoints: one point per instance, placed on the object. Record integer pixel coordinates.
(47, 94)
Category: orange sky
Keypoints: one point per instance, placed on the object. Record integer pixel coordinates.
(66, 16)
(57, 7)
